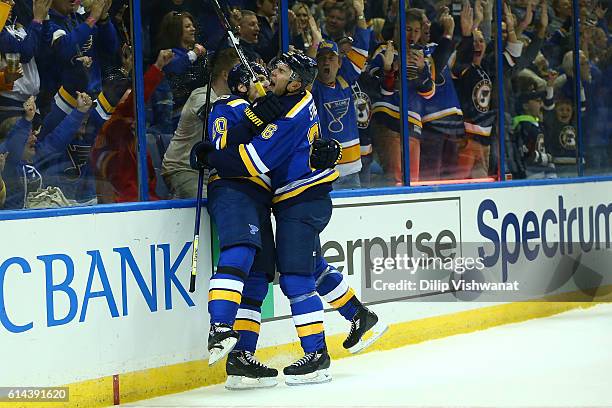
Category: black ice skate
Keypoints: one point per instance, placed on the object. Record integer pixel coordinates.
(365, 330)
(244, 371)
(310, 369)
(221, 340)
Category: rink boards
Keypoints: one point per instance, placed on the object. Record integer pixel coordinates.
(100, 301)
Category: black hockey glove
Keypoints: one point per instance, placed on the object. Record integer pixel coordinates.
(325, 153)
(198, 158)
(264, 111)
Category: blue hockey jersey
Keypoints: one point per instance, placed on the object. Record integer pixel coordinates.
(224, 129)
(282, 151)
(442, 112)
(336, 104)
(23, 177)
(475, 89)
(386, 110)
(68, 37)
(68, 166)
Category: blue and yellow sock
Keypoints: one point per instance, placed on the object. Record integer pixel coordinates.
(306, 310)
(248, 318)
(335, 290)
(226, 285)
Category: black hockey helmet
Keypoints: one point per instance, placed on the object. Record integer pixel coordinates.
(240, 74)
(304, 68)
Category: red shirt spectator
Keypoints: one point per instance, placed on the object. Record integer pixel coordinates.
(114, 152)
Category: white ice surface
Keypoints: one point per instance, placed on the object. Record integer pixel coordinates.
(560, 361)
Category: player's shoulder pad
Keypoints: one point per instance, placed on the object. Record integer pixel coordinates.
(231, 101)
(295, 104)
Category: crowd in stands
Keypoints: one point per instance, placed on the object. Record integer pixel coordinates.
(67, 113)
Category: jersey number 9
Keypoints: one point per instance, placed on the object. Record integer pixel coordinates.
(220, 130)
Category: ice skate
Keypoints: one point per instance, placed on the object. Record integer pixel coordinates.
(365, 330)
(313, 368)
(244, 372)
(221, 340)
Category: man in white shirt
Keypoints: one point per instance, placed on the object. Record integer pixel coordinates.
(181, 179)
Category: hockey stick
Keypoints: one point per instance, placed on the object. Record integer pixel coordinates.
(196, 228)
(235, 43)
(260, 90)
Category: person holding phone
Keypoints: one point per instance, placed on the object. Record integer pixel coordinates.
(385, 67)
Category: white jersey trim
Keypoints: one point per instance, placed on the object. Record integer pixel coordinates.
(261, 167)
(301, 182)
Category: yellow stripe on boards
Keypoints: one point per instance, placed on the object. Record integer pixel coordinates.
(154, 382)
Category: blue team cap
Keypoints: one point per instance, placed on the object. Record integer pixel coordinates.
(327, 46)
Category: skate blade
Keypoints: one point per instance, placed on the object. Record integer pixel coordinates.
(374, 334)
(318, 377)
(217, 354)
(237, 382)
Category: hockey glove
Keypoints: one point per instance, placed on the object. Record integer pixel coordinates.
(198, 158)
(264, 111)
(325, 153)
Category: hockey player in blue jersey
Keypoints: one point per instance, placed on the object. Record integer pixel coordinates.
(302, 209)
(301, 203)
(240, 207)
(227, 129)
